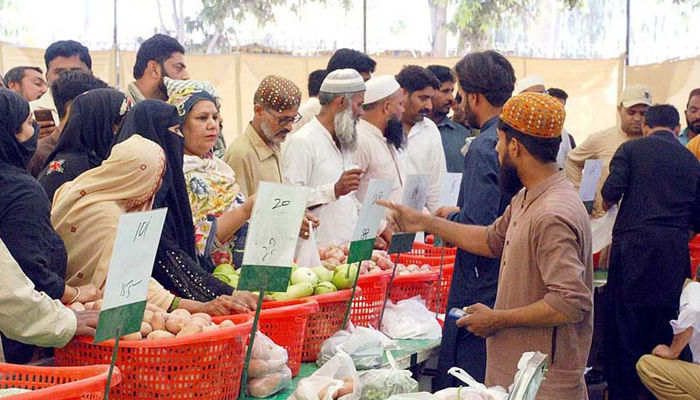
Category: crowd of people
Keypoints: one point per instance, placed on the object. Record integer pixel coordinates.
(76, 154)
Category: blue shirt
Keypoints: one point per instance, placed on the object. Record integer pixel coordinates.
(453, 137)
(683, 137)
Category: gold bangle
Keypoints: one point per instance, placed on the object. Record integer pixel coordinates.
(77, 294)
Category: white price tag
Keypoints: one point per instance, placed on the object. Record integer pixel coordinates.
(274, 224)
(449, 193)
(415, 191)
(371, 214)
(130, 268)
(589, 182)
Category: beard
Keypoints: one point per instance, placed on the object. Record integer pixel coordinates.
(272, 136)
(470, 117)
(394, 133)
(508, 178)
(345, 124)
(693, 126)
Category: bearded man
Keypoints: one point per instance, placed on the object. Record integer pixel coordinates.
(255, 155)
(319, 156)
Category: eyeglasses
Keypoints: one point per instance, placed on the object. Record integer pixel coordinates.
(284, 120)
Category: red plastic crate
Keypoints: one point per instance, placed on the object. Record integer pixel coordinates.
(58, 383)
(206, 365)
(427, 249)
(444, 287)
(326, 322)
(285, 323)
(434, 260)
(367, 307)
(421, 284)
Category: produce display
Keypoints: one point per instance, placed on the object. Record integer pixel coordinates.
(384, 383)
(157, 323)
(334, 257)
(267, 372)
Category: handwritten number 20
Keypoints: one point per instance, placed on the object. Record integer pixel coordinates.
(280, 203)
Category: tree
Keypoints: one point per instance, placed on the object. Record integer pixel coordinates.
(475, 20)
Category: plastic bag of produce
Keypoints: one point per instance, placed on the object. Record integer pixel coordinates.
(267, 357)
(381, 383)
(335, 380)
(308, 251)
(410, 319)
(365, 347)
(269, 384)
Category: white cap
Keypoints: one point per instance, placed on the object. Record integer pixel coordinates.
(343, 81)
(527, 83)
(635, 94)
(380, 87)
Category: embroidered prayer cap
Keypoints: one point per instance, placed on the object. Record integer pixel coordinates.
(173, 86)
(534, 114)
(343, 81)
(528, 82)
(633, 95)
(380, 87)
(185, 99)
(277, 93)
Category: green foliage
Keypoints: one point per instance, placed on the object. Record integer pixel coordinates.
(475, 20)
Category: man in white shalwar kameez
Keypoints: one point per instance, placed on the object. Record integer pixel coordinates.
(319, 156)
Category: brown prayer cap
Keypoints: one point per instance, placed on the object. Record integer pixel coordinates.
(277, 93)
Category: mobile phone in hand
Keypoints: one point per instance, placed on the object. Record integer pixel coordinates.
(43, 115)
(457, 313)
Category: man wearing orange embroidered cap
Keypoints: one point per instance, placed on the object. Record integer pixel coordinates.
(544, 301)
(255, 155)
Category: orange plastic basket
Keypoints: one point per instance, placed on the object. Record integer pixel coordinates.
(421, 284)
(58, 383)
(427, 249)
(285, 323)
(206, 366)
(367, 307)
(327, 321)
(444, 287)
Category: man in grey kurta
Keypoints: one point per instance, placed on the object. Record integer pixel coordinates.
(544, 299)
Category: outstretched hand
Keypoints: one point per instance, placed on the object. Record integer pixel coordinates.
(404, 218)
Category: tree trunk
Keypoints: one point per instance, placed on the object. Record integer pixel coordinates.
(438, 18)
(163, 29)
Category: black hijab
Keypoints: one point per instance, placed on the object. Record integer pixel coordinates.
(177, 267)
(87, 138)
(15, 110)
(25, 215)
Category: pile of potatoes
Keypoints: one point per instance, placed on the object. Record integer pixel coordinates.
(157, 323)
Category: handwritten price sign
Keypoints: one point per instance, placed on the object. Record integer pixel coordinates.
(368, 222)
(135, 246)
(272, 236)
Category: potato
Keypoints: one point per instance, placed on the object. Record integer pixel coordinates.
(76, 306)
(210, 328)
(190, 329)
(154, 308)
(257, 368)
(226, 324)
(181, 313)
(204, 316)
(159, 334)
(146, 328)
(147, 316)
(132, 336)
(265, 386)
(173, 325)
(97, 305)
(347, 388)
(158, 321)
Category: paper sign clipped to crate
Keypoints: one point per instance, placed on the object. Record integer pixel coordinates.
(415, 192)
(449, 194)
(130, 268)
(368, 223)
(272, 237)
(589, 182)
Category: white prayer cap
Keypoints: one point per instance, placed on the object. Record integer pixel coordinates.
(380, 87)
(343, 81)
(527, 83)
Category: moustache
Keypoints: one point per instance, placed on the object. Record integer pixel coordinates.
(424, 112)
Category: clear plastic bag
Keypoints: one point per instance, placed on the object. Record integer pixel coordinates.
(410, 319)
(267, 385)
(365, 347)
(335, 380)
(602, 229)
(307, 256)
(379, 384)
(267, 372)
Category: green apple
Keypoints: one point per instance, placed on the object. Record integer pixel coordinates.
(344, 276)
(325, 287)
(304, 275)
(303, 289)
(323, 274)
